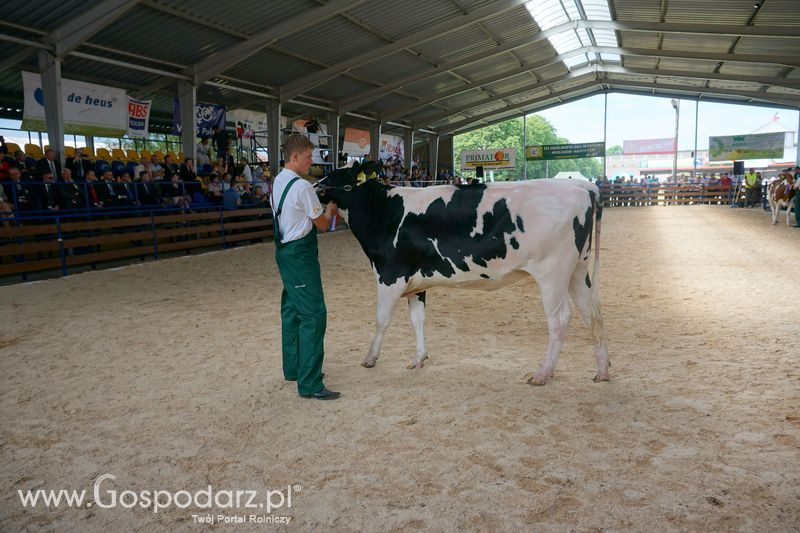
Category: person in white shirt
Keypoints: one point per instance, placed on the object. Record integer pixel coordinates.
(203, 149)
(297, 214)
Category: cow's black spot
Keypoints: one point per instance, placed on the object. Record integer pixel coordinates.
(588, 282)
(519, 224)
(421, 296)
(484, 276)
(514, 244)
(583, 231)
(438, 241)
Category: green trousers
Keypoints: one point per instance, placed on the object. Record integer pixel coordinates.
(797, 209)
(303, 313)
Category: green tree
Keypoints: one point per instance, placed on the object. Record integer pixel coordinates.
(509, 134)
(614, 150)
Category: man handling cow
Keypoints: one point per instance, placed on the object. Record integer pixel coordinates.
(297, 211)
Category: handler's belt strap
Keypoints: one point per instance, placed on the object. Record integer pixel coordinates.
(277, 213)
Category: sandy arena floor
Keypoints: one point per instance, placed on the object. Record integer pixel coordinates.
(167, 375)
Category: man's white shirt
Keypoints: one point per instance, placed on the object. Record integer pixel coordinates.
(299, 208)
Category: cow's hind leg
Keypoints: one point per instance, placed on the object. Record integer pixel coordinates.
(388, 295)
(588, 305)
(775, 209)
(554, 286)
(416, 312)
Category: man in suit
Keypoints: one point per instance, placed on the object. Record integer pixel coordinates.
(93, 190)
(45, 194)
(21, 162)
(70, 194)
(147, 191)
(17, 190)
(49, 164)
(80, 165)
(125, 189)
(105, 189)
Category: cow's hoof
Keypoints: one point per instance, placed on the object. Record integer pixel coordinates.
(535, 379)
(367, 364)
(598, 378)
(414, 364)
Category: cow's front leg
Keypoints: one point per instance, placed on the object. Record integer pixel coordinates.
(388, 295)
(416, 312)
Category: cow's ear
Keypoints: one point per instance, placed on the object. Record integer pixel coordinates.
(361, 178)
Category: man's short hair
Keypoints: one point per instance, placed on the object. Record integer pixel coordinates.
(296, 144)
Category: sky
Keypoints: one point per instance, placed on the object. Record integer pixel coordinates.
(632, 117)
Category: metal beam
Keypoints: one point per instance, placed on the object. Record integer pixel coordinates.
(77, 29)
(237, 53)
(781, 99)
(310, 81)
(772, 81)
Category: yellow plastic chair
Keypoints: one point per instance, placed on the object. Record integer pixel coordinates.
(12, 147)
(102, 153)
(118, 154)
(145, 153)
(180, 157)
(69, 151)
(133, 156)
(174, 157)
(34, 150)
(159, 155)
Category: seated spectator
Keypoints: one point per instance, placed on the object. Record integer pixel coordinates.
(203, 152)
(155, 169)
(6, 208)
(247, 172)
(214, 190)
(191, 183)
(126, 191)
(17, 189)
(21, 162)
(174, 193)
(222, 166)
(232, 198)
(147, 191)
(260, 197)
(170, 168)
(70, 194)
(93, 190)
(105, 188)
(141, 168)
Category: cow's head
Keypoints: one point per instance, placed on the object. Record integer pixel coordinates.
(349, 187)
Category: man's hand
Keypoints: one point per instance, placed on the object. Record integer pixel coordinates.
(331, 209)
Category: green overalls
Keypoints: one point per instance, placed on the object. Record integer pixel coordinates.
(303, 313)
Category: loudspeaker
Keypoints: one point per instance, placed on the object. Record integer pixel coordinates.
(479, 171)
(738, 168)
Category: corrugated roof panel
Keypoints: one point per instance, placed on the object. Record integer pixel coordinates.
(669, 80)
(510, 84)
(640, 61)
(686, 64)
(154, 34)
(245, 16)
(767, 46)
(466, 98)
(438, 83)
(527, 96)
(638, 39)
(734, 85)
(719, 44)
(748, 69)
(400, 66)
(552, 71)
(784, 91)
(391, 101)
(778, 13)
(710, 11)
(105, 74)
(453, 46)
(340, 88)
(399, 19)
(536, 52)
(350, 40)
(514, 24)
(488, 68)
(44, 15)
(270, 67)
(638, 10)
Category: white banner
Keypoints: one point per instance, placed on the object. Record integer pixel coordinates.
(89, 109)
(493, 158)
(391, 146)
(247, 121)
(138, 117)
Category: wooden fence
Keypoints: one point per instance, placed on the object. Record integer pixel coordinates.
(64, 242)
(665, 194)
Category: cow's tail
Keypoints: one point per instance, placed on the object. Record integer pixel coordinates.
(597, 326)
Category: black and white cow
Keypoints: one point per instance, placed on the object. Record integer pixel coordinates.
(478, 237)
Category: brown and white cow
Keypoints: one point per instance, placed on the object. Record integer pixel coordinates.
(780, 192)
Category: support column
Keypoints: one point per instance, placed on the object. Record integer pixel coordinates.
(50, 70)
(408, 148)
(333, 131)
(187, 97)
(433, 155)
(797, 157)
(374, 140)
(274, 136)
(446, 152)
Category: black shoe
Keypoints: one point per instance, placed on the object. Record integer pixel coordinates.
(324, 394)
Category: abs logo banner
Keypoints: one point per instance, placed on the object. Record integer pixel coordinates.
(494, 158)
(138, 117)
(89, 109)
(206, 117)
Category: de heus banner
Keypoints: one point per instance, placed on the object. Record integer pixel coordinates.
(206, 117)
(89, 109)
